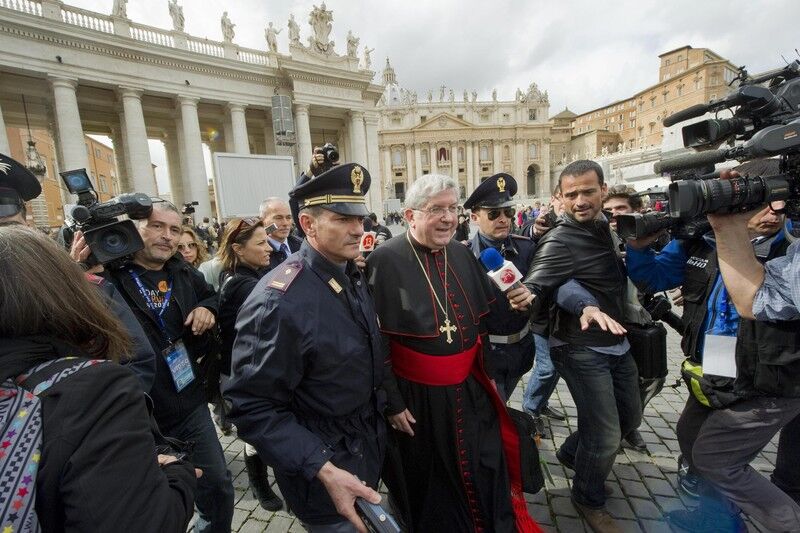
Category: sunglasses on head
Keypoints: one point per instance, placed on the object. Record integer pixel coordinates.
(492, 214)
(248, 222)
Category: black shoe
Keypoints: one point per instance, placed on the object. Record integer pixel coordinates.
(701, 521)
(635, 441)
(259, 482)
(688, 481)
(549, 412)
(538, 423)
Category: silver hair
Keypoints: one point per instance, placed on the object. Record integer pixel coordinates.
(160, 205)
(262, 209)
(426, 186)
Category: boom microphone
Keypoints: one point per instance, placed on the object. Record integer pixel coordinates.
(503, 273)
(685, 114)
(690, 161)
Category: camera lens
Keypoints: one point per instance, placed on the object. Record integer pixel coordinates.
(114, 242)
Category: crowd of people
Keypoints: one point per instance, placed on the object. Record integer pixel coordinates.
(341, 369)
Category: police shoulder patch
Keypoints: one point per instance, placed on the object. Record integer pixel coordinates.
(285, 275)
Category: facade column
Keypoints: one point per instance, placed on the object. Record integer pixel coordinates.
(183, 175)
(432, 160)
(454, 161)
(136, 142)
(387, 168)
(546, 187)
(411, 170)
(68, 124)
(417, 163)
(469, 162)
(376, 194)
(520, 167)
(302, 129)
(476, 160)
(227, 133)
(174, 168)
(497, 157)
(195, 165)
(5, 148)
(241, 143)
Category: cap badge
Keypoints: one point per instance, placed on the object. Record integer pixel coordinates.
(501, 184)
(4, 168)
(357, 177)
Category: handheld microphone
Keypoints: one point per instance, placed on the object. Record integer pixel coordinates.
(503, 273)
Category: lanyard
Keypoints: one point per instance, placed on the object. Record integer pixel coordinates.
(159, 317)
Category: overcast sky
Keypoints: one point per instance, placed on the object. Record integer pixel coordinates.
(584, 53)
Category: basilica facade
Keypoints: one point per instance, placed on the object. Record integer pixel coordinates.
(469, 139)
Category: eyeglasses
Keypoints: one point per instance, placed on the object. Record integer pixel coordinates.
(492, 214)
(245, 222)
(438, 211)
(188, 245)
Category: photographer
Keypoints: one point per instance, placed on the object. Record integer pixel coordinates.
(767, 360)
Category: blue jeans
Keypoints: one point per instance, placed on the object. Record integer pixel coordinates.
(606, 393)
(543, 379)
(214, 498)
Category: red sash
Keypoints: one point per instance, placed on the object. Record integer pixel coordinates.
(440, 370)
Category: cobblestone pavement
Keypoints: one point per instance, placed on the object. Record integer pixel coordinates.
(644, 485)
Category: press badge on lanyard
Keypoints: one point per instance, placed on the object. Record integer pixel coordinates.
(176, 355)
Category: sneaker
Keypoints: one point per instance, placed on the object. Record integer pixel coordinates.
(688, 481)
(701, 521)
(549, 412)
(538, 423)
(598, 519)
(634, 440)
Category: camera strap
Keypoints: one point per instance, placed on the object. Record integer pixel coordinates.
(157, 315)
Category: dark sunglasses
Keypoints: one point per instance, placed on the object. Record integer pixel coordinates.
(492, 214)
(187, 245)
(248, 222)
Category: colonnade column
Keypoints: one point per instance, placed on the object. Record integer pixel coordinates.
(373, 160)
(432, 160)
(5, 148)
(172, 150)
(241, 143)
(195, 169)
(387, 166)
(476, 160)
(417, 164)
(454, 163)
(136, 146)
(410, 169)
(302, 129)
(68, 124)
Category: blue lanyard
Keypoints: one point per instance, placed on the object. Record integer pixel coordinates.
(150, 305)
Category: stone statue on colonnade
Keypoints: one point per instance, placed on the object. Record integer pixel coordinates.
(176, 12)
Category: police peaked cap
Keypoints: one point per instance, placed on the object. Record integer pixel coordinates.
(341, 189)
(495, 191)
(17, 185)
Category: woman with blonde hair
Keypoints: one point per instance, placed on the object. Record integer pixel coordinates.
(93, 459)
(244, 253)
(192, 249)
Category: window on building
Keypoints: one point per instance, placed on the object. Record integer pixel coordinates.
(532, 151)
(506, 153)
(443, 154)
(485, 153)
(531, 114)
(632, 123)
(641, 105)
(424, 157)
(680, 58)
(397, 157)
(103, 184)
(697, 83)
(460, 116)
(110, 159)
(680, 90)
(460, 154)
(652, 127)
(531, 178)
(97, 152)
(506, 117)
(665, 95)
(422, 118)
(714, 80)
(652, 102)
(667, 62)
(484, 117)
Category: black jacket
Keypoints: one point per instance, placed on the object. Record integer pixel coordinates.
(234, 290)
(98, 470)
(583, 252)
(189, 291)
(279, 256)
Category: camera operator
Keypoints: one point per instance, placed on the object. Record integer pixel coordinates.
(176, 307)
(767, 360)
(708, 310)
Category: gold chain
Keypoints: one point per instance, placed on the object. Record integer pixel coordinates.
(428, 279)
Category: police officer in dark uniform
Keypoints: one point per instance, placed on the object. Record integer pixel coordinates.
(308, 361)
(17, 186)
(511, 349)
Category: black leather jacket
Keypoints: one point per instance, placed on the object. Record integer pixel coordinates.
(583, 252)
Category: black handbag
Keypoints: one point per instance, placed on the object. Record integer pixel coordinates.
(530, 467)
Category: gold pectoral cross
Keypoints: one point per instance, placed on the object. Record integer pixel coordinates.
(447, 328)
